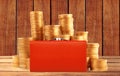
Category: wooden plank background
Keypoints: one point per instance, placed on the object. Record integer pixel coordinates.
(94, 21)
(101, 18)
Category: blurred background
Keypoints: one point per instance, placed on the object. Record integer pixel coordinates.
(101, 18)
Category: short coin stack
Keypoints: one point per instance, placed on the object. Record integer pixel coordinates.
(51, 32)
(36, 21)
(95, 63)
(81, 35)
(65, 37)
(56, 31)
(99, 65)
(47, 32)
(23, 49)
(92, 50)
(66, 23)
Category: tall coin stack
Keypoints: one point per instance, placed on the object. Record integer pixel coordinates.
(23, 49)
(66, 23)
(36, 21)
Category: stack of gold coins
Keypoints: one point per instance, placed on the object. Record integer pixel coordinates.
(28, 63)
(51, 32)
(56, 31)
(78, 38)
(65, 37)
(23, 48)
(99, 65)
(66, 23)
(47, 32)
(36, 21)
(83, 34)
(92, 50)
(15, 61)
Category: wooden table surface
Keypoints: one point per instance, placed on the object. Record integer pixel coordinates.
(6, 69)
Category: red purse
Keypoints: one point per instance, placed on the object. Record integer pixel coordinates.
(58, 56)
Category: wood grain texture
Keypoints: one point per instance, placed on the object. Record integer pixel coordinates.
(94, 22)
(23, 17)
(113, 67)
(7, 27)
(102, 22)
(59, 73)
(43, 5)
(111, 27)
(77, 8)
(58, 7)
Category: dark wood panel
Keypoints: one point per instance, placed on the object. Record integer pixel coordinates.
(58, 7)
(77, 8)
(23, 17)
(108, 32)
(43, 5)
(94, 21)
(7, 27)
(111, 27)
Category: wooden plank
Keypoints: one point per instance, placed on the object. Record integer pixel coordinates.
(2, 27)
(43, 5)
(111, 27)
(113, 60)
(5, 57)
(117, 64)
(77, 8)
(5, 60)
(58, 7)
(7, 27)
(113, 68)
(94, 22)
(23, 17)
(60, 73)
(11, 69)
(110, 57)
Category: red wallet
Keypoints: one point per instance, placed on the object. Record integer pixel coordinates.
(58, 56)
